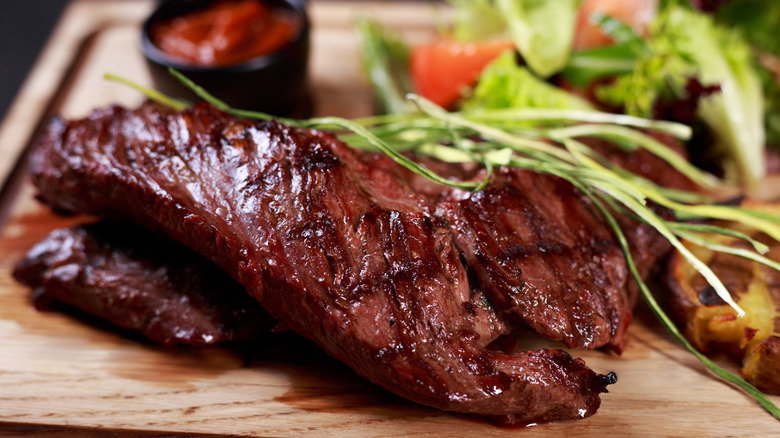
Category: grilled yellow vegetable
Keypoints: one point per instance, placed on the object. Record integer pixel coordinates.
(713, 326)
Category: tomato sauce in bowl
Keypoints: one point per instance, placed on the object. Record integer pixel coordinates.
(251, 54)
(226, 32)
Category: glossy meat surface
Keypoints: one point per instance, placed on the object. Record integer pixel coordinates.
(142, 282)
(539, 250)
(647, 247)
(544, 258)
(342, 252)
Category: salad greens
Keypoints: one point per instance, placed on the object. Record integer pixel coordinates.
(505, 84)
(743, 113)
(543, 31)
(490, 141)
(685, 44)
(757, 21)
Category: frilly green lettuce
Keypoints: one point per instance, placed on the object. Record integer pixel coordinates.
(543, 31)
(758, 21)
(685, 44)
(505, 84)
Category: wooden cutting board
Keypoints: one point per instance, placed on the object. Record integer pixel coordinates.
(60, 374)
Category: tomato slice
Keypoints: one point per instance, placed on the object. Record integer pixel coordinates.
(442, 69)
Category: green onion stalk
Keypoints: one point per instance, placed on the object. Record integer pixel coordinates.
(546, 141)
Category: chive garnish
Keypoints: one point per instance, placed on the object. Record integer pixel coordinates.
(544, 141)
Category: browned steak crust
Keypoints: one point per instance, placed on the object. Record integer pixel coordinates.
(342, 252)
(545, 258)
(141, 282)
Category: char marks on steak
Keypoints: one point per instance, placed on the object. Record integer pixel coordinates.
(343, 252)
(142, 282)
(544, 258)
(647, 246)
(540, 251)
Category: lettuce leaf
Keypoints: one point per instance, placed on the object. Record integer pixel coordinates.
(685, 44)
(543, 31)
(758, 21)
(476, 20)
(505, 84)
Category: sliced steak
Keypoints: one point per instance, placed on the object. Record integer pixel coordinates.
(142, 282)
(342, 253)
(539, 250)
(648, 247)
(545, 258)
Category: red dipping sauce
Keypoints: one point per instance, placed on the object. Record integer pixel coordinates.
(226, 33)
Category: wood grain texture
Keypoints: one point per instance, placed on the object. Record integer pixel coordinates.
(67, 376)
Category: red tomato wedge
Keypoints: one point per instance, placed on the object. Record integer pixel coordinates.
(440, 70)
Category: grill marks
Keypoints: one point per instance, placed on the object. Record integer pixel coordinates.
(142, 282)
(544, 259)
(340, 248)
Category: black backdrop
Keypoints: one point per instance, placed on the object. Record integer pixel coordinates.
(25, 26)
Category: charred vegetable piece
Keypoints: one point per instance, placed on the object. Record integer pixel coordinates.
(713, 326)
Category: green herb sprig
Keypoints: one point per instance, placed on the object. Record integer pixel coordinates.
(545, 141)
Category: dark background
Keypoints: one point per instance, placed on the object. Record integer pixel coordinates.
(25, 26)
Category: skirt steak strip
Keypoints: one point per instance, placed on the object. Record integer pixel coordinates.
(545, 259)
(142, 282)
(337, 250)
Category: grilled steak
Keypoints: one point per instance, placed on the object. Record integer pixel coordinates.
(544, 259)
(548, 262)
(341, 251)
(142, 282)
(647, 247)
